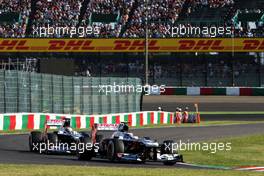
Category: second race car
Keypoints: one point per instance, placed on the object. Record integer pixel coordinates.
(63, 140)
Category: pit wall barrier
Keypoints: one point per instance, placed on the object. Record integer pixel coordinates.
(196, 91)
(36, 121)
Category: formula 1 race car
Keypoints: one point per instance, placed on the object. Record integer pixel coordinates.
(62, 141)
(124, 146)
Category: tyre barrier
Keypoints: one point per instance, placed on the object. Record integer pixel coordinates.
(36, 121)
(221, 91)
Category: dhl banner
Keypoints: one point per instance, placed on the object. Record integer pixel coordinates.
(133, 45)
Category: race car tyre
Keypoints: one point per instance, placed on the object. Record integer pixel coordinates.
(99, 137)
(115, 146)
(85, 134)
(167, 148)
(85, 154)
(35, 138)
(169, 163)
(52, 138)
(155, 154)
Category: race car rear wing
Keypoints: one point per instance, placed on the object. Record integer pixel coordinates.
(54, 122)
(107, 127)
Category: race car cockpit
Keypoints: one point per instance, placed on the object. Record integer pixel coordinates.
(66, 129)
(123, 132)
(123, 127)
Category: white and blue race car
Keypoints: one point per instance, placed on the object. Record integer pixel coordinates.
(124, 146)
(63, 140)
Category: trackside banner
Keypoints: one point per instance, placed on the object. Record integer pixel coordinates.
(133, 45)
(35, 121)
(227, 91)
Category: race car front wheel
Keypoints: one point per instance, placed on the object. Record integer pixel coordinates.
(84, 153)
(168, 148)
(114, 147)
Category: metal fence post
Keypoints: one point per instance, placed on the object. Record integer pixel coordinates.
(259, 69)
(41, 92)
(206, 72)
(72, 95)
(233, 74)
(62, 92)
(30, 98)
(4, 91)
(52, 102)
(91, 98)
(81, 96)
(17, 92)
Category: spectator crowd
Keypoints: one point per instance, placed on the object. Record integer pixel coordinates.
(132, 16)
(15, 28)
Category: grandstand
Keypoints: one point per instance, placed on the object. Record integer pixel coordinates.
(127, 18)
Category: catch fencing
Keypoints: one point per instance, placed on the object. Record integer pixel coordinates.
(34, 92)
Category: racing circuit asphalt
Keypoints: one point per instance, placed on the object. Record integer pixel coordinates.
(210, 103)
(14, 148)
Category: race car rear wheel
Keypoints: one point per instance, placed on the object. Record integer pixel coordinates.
(99, 137)
(51, 141)
(115, 146)
(35, 138)
(52, 138)
(85, 154)
(85, 134)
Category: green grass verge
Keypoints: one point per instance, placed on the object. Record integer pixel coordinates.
(246, 151)
(45, 170)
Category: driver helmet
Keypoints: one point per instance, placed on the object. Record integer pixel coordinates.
(67, 123)
(123, 127)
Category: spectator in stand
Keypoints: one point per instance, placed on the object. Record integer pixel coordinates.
(118, 7)
(160, 14)
(57, 13)
(131, 21)
(18, 28)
